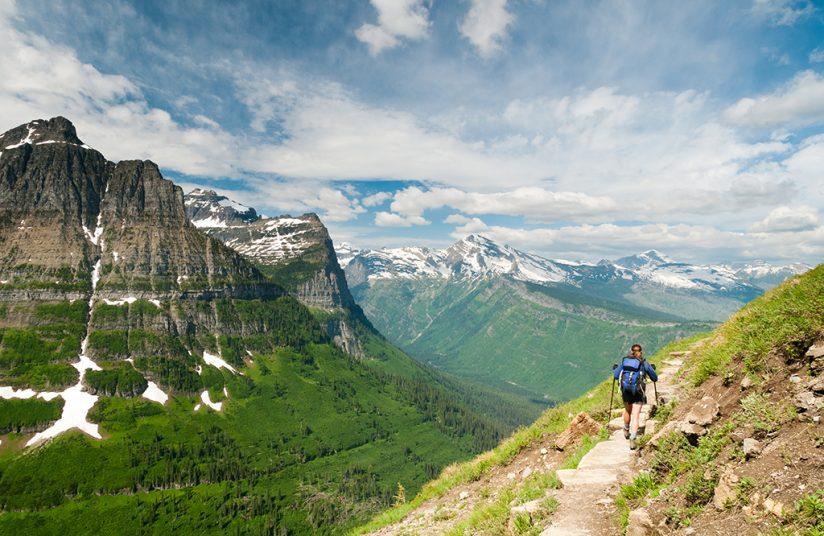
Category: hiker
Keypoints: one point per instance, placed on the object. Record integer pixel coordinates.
(631, 374)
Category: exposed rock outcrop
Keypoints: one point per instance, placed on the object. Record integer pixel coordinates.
(297, 252)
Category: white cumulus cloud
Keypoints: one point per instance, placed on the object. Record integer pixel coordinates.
(486, 24)
(534, 203)
(786, 219)
(396, 19)
(798, 103)
(389, 219)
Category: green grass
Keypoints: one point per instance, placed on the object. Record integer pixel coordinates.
(292, 439)
(552, 421)
(494, 335)
(633, 496)
(786, 320)
(762, 414)
(587, 443)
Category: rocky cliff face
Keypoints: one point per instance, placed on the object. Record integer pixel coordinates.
(99, 260)
(296, 252)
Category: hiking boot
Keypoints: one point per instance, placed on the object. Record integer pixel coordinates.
(626, 433)
(632, 444)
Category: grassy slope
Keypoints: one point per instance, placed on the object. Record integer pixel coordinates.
(552, 421)
(788, 318)
(766, 341)
(553, 346)
(317, 418)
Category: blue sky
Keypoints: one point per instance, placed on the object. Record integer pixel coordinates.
(569, 128)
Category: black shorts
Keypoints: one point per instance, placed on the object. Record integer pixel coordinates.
(629, 397)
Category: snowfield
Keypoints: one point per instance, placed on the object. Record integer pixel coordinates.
(217, 361)
(155, 394)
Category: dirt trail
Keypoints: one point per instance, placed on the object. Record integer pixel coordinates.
(586, 501)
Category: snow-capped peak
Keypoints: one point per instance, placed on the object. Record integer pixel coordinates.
(345, 252)
(208, 209)
(477, 256)
(648, 258)
(471, 257)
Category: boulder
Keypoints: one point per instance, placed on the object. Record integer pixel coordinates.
(725, 491)
(751, 447)
(692, 431)
(806, 401)
(582, 425)
(650, 426)
(703, 412)
(816, 385)
(815, 357)
(640, 523)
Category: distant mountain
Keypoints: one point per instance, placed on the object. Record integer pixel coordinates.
(766, 276)
(723, 287)
(296, 252)
(176, 383)
(540, 327)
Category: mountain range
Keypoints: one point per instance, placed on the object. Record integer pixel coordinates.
(543, 328)
(153, 376)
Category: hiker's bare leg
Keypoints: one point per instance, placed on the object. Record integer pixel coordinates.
(636, 417)
(627, 411)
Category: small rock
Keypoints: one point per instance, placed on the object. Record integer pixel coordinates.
(580, 426)
(816, 384)
(640, 523)
(663, 432)
(511, 476)
(746, 383)
(725, 491)
(703, 412)
(689, 530)
(464, 495)
(751, 447)
(795, 378)
(805, 401)
(543, 451)
(817, 419)
(650, 426)
(816, 350)
(776, 508)
(526, 472)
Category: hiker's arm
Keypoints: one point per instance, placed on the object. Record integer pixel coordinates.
(651, 372)
(617, 370)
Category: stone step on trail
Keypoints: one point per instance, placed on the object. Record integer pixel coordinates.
(581, 509)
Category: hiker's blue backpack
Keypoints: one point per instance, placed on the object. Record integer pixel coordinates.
(632, 375)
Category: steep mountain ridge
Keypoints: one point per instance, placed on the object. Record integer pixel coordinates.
(207, 397)
(297, 252)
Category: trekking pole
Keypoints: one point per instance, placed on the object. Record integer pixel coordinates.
(655, 387)
(611, 393)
